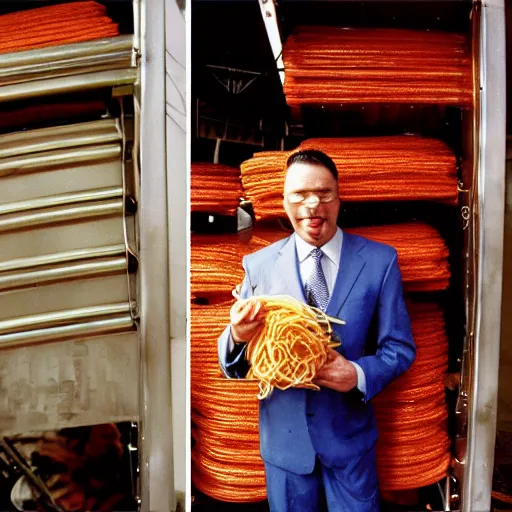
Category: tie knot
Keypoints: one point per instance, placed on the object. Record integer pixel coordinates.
(317, 254)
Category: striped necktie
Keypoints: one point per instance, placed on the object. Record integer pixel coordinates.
(316, 286)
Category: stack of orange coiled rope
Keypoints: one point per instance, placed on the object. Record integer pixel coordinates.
(216, 265)
(336, 65)
(226, 462)
(422, 252)
(225, 454)
(206, 324)
(215, 188)
(398, 168)
(413, 449)
(55, 25)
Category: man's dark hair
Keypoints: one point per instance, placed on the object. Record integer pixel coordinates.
(315, 157)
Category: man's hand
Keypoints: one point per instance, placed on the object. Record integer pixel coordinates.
(337, 373)
(244, 319)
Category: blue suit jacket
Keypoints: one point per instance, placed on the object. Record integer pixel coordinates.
(297, 425)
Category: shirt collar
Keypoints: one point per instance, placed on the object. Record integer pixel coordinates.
(332, 249)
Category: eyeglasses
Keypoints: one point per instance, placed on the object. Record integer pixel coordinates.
(311, 197)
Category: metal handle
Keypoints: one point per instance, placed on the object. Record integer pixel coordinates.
(62, 257)
(104, 267)
(57, 318)
(64, 214)
(60, 333)
(46, 160)
(59, 137)
(62, 200)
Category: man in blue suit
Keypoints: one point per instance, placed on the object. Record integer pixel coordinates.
(319, 446)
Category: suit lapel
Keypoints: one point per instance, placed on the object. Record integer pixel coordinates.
(287, 271)
(351, 264)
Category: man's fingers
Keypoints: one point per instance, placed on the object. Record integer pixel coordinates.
(246, 312)
(240, 312)
(252, 325)
(256, 310)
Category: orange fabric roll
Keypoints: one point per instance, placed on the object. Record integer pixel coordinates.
(413, 449)
(422, 252)
(215, 188)
(55, 25)
(226, 462)
(216, 263)
(337, 65)
(206, 325)
(396, 168)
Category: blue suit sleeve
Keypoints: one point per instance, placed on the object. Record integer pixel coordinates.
(395, 346)
(232, 359)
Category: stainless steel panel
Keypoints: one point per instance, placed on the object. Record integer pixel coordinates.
(61, 296)
(158, 493)
(55, 239)
(70, 383)
(178, 210)
(49, 181)
(489, 223)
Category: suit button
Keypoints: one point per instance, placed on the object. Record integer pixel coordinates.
(310, 414)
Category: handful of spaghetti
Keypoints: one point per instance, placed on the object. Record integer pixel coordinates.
(291, 345)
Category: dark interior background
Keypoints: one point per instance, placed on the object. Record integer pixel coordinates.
(231, 34)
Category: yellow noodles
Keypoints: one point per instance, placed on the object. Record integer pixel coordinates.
(291, 345)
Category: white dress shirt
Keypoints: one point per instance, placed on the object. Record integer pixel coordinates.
(330, 267)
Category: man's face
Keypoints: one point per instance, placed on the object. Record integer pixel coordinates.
(312, 219)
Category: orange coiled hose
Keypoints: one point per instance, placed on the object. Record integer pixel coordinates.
(55, 25)
(396, 168)
(422, 252)
(413, 449)
(338, 65)
(215, 188)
